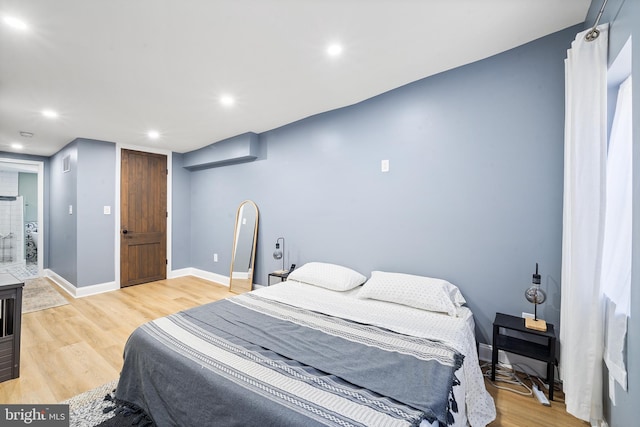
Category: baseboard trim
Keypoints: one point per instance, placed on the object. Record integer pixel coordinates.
(79, 292)
(203, 274)
(84, 291)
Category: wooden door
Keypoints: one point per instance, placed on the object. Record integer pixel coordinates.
(143, 217)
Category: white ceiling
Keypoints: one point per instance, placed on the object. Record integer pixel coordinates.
(115, 69)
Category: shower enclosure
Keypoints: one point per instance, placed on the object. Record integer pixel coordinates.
(11, 230)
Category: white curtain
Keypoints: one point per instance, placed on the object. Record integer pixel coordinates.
(581, 313)
(616, 255)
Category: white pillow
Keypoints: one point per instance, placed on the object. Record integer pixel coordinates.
(421, 292)
(330, 276)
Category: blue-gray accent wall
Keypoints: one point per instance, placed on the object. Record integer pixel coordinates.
(96, 189)
(238, 149)
(63, 233)
(473, 195)
(180, 214)
(82, 244)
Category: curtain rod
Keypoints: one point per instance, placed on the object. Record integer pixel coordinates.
(594, 32)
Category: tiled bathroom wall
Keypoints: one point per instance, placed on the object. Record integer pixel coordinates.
(8, 183)
(11, 219)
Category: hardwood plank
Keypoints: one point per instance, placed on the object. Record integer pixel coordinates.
(73, 348)
(514, 410)
(30, 388)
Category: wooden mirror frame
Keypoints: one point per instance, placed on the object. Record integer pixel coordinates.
(243, 284)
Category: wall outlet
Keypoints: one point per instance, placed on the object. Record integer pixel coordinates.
(384, 165)
(215, 257)
(526, 315)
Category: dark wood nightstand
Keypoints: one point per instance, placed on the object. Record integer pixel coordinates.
(10, 318)
(541, 348)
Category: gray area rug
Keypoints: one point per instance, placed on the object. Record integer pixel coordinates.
(38, 294)
(97, 408)
(87, 409)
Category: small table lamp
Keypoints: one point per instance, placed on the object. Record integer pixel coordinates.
(278, 253)
(536, 296)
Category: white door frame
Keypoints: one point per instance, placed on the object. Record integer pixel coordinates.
(35, 166)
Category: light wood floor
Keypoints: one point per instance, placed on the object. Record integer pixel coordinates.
(76, 347)
(514, 410)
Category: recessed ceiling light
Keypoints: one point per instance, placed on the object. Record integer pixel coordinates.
(334, 49)
(227, 100)
(17, 146)
(15, 23)
(153, 134)
(50, 114)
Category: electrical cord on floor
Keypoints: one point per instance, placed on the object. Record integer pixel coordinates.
(543, 385)
(514, 375)
(507, 375)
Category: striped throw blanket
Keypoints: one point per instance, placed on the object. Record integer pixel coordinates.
(249, 360)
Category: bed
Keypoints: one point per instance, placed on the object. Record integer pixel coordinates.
(303, 354)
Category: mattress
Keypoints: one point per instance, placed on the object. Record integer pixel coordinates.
(296, 354)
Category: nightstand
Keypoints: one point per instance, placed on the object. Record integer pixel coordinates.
(10, 318)
(529, 343)
(282, 275)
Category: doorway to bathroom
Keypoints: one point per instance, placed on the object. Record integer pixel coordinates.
(21, 217)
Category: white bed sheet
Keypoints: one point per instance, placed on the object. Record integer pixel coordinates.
(479, 408)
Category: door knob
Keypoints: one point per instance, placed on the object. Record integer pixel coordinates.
(125, 231)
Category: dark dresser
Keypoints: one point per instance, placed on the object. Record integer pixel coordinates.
(10, 318)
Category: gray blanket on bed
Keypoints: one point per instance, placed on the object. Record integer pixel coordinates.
(252, 361)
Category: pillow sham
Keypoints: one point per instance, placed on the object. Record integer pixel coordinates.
(330, 276)
(421, 292)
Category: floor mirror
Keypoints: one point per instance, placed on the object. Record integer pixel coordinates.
(244, 248)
